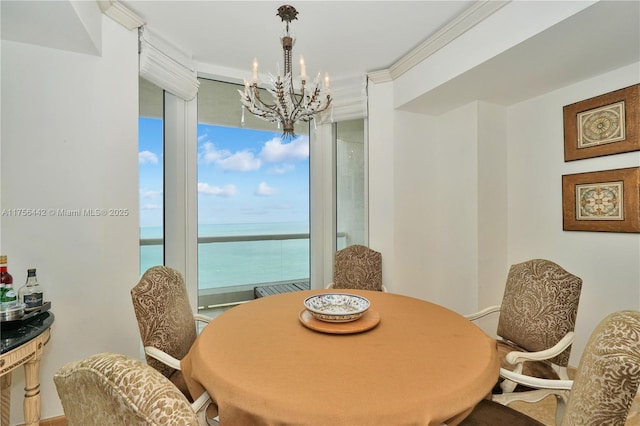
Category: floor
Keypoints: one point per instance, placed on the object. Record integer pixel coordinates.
(544, 411)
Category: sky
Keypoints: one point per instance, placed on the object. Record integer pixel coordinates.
(244, 175)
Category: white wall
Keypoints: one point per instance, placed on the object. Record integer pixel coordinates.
(69, 141)
(492, 204)
(608, 263)
(448, 200)
(381, 174)
(479, 188)
(436, 206)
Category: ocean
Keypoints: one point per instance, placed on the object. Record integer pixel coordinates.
(223, 264)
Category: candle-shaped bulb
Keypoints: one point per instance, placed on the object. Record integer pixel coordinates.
(303, 69)
(255, 70)
(326, 81)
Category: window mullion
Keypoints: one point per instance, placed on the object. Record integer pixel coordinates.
(180, 196)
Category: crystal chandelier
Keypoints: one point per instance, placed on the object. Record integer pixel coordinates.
(288, 105)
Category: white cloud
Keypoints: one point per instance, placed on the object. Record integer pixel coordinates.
(209, 154)
(275, 151)
(281, 169)
(150, 194)
(264, 190)
(225, 191)
(150, 206)
(242, 161)
(145, 157)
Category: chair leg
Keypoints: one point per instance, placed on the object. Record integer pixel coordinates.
(561, 402)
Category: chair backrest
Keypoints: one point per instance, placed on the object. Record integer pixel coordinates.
(165, 318)
(116, 390)
(608, 375)
(539, 306)
(358, 267)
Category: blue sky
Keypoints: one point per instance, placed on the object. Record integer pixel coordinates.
(244, 175)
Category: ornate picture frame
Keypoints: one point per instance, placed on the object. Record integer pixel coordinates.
(603, 125)
(603, 201)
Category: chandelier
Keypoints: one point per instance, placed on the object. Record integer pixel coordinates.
(288, 105)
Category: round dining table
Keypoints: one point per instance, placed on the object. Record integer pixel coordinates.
(410, 362)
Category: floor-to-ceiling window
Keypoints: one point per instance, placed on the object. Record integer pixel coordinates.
(350, 183)
(151, 175)
(253, 199)
(252, 189)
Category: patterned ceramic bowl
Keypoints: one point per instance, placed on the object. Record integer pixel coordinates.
(336, 307)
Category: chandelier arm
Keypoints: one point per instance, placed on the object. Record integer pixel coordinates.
(256, 106)
(299, 107)
(314, 105)
(288, 107)
(270, 109)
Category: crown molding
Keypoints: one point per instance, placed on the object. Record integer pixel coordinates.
(119, 13)
(477, 13)
(381, 76)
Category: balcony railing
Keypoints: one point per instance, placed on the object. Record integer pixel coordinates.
(286, 264)
(242, 289)
(233, 238)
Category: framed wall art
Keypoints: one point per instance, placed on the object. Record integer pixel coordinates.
(606, 201)
(603, 125)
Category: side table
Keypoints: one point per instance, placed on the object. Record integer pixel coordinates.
(23, 345)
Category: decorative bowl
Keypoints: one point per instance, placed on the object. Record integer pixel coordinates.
(336, 307)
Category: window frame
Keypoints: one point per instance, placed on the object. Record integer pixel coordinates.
(180, 194)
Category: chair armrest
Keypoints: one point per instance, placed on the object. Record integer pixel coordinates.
(162, 356)
(516, 357)
(330, 285)
(482, 313)
(201, 402)
(535, 382)
(202, 318)
(201, 407)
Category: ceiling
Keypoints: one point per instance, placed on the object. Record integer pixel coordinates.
(352, 38)
(599, 39)
(343, 38)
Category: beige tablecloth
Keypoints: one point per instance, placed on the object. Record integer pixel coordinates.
(421, 365)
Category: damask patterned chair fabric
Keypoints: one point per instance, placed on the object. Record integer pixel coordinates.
(605, 384)
(358, 267)
(539, 306)
(165, 318)
(116, 390)
(608, 374)
(535, 328)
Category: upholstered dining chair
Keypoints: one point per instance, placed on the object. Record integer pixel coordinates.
(166, 322)
(604, 387)
(536, 325)
(357, 267)
(117, 390)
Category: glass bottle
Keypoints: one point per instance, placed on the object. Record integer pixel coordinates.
(31, 293)
(7, 293)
